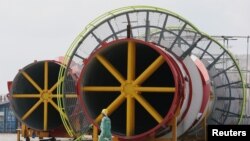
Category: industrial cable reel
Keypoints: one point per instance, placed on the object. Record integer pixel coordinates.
(144, 64)
(227, 88)
(33, 97)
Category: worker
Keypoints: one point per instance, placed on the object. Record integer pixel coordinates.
(105, 134)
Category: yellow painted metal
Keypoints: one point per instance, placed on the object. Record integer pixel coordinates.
(31, 81)
(99, 88)
(57, 108)
(45, 116)
(110, 68)
(113, 106)
(24, 130)
(26, 95)
(115, 138)
(129, 89)
(71, 95)
(66, 95)
(46, 75)
(18, 134)
(32, 109)
(149, 71)
(28, 132)
(204, 126)
(174, 129)
(95, 133)
(130, 119)
(55, 85)
(99, 118)
(131, 61)
(155, 89)
(149, 108)
(45, 96)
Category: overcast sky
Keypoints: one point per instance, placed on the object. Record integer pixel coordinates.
(44, 29)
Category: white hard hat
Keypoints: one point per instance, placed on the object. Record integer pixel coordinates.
(105, 111)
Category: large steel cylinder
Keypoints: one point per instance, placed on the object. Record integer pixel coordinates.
(149, 79)
(148, 66)
(33, 95)
(138, 80)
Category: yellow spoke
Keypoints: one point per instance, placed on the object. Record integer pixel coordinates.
(31, 110)
(66, 95)
(56, 96)
(56, 85)
(71, 95)
(57, 108)
(101, 88)
(155, 89)
(46, 69)
(31, 81)
(149, 71)
(130, 126)
(149, 108)
(45, 116)
(110, 68)
(113, 106)
(131, 61)
(25, 96)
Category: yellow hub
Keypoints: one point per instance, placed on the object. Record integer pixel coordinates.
(45, 95)
(129, 89)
